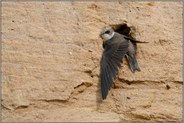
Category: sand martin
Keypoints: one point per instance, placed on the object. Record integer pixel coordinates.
(116, 47)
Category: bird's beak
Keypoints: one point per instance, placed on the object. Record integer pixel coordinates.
(100, 35)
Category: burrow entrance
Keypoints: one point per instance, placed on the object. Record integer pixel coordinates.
(124, 29)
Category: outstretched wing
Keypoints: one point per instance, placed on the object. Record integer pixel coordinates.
(110, 63)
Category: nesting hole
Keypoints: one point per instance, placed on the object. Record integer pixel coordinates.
(124, 29)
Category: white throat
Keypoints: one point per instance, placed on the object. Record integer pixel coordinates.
(107, 36)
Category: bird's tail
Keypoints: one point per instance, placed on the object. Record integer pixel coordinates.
(133, 63)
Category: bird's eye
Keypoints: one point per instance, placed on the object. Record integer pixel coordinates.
(107, 32)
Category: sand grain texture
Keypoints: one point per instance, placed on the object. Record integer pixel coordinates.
(51, 53)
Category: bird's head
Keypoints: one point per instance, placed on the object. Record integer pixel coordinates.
(107, 33)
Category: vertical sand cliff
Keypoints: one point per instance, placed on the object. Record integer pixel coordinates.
(51, 53)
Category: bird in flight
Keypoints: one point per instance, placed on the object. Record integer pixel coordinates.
(116, 47)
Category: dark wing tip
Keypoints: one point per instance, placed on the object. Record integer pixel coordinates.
(134, 40)
(104, 96)
(104, 85)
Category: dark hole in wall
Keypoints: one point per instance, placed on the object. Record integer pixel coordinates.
(124, 29)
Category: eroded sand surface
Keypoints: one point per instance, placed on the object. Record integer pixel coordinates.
(51, 53)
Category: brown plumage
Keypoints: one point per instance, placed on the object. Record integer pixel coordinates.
(116, 47)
